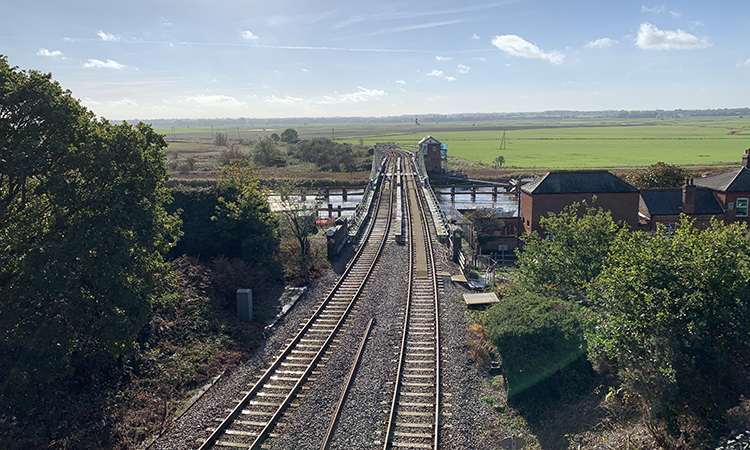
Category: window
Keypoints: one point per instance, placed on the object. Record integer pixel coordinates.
(741, 207)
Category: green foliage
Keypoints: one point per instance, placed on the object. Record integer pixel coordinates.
(233, 154)
(289, 136)
(231, 218)
(266, 153)
(245, 225)
(672, 312)
(82, 232)
(275, 137)
(571, 256)
(499, 161)
(332, 156)
(659, 175)
(220, 139)
(297, 216)
(536, 336)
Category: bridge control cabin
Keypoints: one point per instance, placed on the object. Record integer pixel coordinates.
(434, 154)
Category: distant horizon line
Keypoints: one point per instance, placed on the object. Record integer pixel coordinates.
(416, 116)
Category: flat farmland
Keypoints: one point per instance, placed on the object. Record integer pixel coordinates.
(529, 144)
(596, 144)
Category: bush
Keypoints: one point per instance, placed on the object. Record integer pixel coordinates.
(332, 156)
(536, 336)
(233, 154)
(220, 139)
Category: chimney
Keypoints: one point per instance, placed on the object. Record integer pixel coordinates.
(744, 158)
(688, 197)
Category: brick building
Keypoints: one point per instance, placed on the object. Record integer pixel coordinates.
(724, 196)
(732, 189)
(556, 190)
(433, 153)
(664, 206)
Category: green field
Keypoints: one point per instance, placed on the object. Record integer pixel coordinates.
(531, 143)
(587, 145)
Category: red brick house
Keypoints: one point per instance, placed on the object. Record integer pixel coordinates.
(664, 206)
(732, 189)
(556, 190)
(724, 196)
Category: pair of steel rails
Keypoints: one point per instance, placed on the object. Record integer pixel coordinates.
(254, 417)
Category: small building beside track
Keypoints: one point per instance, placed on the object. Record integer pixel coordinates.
(434, 154)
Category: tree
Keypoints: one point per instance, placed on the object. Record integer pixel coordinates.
(499, 161)
(266, 152)
(672, 314)
(220, 139)
(572, 254)
(234, 153)
(82, 233)
(486, 222)
(298, 216)
(536, 336)
(245, 225)
(275, 137)
(659, 175)
(289, 136)
(332, 156)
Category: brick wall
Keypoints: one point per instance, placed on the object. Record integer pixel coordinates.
(623, 206)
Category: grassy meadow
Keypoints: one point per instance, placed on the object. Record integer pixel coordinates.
(699, 143)
(529, 144)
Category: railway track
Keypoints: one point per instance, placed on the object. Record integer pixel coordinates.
(414, 417)
(251, 421)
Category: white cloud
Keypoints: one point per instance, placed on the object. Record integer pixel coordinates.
(658, 9)
(125, 102)
(91, 102)
(463, 68)
(652, 38)
(517, 46)
(223, 101)
(109, 64)
(675, 13)
(45, 52)
(69, 39)
(745, 64)
(601, 43)
(400, 82)
(249, 35)
(439, 73)
(288, 100)
(108, 37)
(443, 58)
(481, 58)
(362, 95)
(475, 36)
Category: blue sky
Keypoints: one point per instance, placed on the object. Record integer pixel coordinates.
(294, 58)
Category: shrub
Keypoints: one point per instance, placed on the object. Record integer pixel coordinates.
(536, 336)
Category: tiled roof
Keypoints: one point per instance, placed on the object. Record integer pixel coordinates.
(668, 202)
(584, 182)
(737, 180)
(428, 138)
